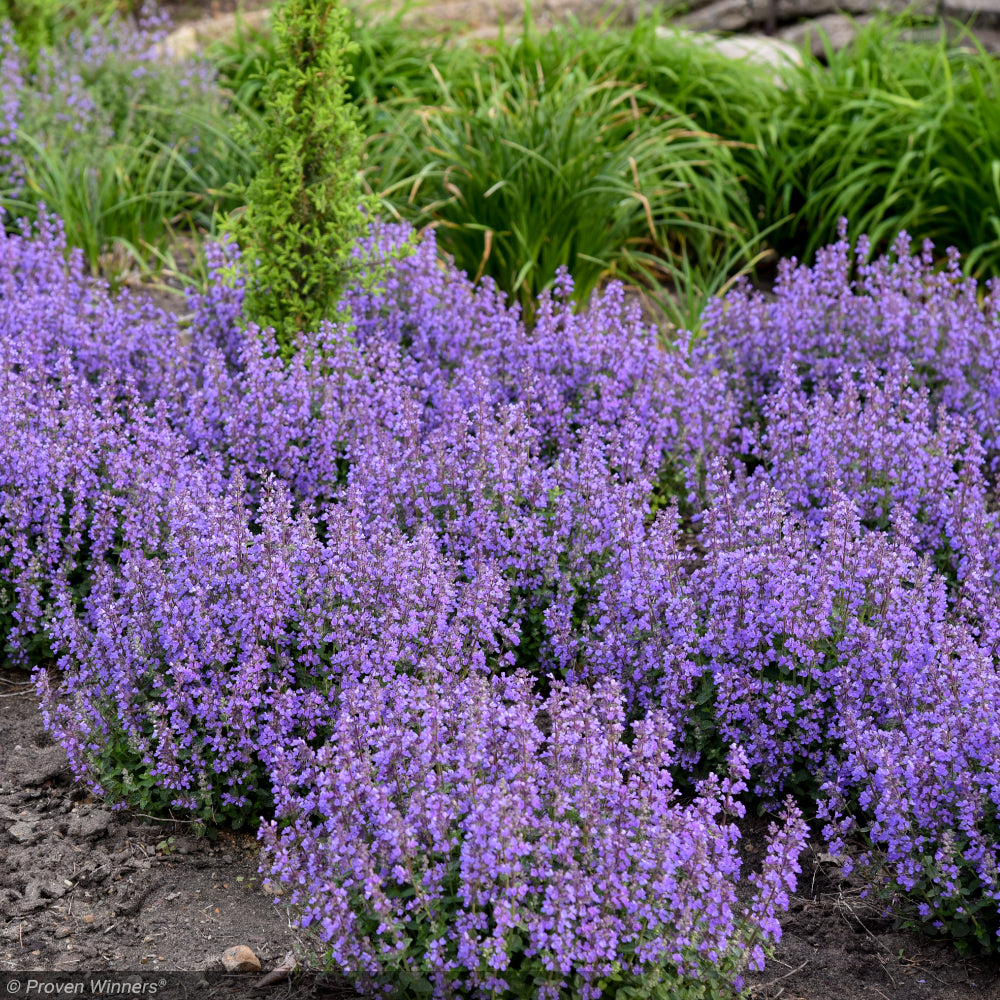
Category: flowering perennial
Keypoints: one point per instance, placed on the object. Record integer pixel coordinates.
(175, 676)
(456, 600)
(442, 836)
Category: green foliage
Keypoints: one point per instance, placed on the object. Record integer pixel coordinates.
(121, 203)
(413, 974)
(303, 209)
(967, 919)
(151, 152)
(891, 133)
(243, 63)
(692, 166)
(39, 24)
(126, 778)
(526, 171)
(386, 60)
(721, 95)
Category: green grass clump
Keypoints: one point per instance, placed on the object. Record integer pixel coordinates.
(123, 203)
(611, 151)
(547, 149)
(891, 134)
(124, 147)
(526, 166)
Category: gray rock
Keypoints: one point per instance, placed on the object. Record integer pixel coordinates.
(745, 15)
(53, 890)
(90, 825)
(990, 39)
(722, 15)
(189, 39)
(754, 48)
(986, 12)
(23, 833)
(839, 29)
(44, 765)
(32, 899)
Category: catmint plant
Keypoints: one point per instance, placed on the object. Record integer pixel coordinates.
(518, 583)
(440, 839)
(171, 676)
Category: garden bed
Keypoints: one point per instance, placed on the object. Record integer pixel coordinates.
(492, 607)
(148, 897)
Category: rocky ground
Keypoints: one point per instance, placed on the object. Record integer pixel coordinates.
(761, 30)
(86, 890)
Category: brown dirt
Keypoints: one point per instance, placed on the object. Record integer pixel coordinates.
(85, 890)
(837, 945)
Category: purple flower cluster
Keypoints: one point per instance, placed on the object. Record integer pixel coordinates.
(188, 650)
(837, 659)
(442, 835)
(262, 577)
(876, 438)
(878, 380)
(440, 458)
(746, 639)
(86, 473)
(920, 777)
(436, 406)
(847, 312)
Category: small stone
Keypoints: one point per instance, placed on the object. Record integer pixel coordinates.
(53, 890)
(240, 958)
(45, 764)
(62, 932)
(88, 919)
(94, 824)
(22, 832)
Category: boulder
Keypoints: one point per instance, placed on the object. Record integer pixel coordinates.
(746, 15)
(839, 30)
(753, 48)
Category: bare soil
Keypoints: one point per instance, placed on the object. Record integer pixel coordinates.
(86, 889)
